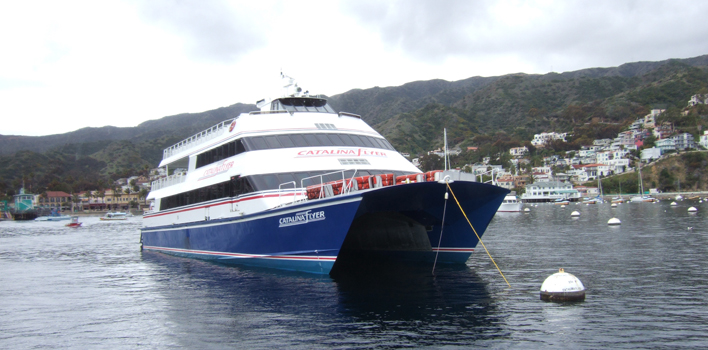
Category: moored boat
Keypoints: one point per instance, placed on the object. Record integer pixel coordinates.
(511, 204)
(298, 186)
(53, 216)
(114, 216)
(641, 197)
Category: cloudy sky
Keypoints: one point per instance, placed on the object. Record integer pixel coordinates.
(65, 65)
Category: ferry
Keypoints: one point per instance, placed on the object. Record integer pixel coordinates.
(510, 204)
(298, 186)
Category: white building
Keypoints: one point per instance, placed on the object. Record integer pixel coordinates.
(602, 142)
(650, 119)
(698, 99)
(704, 140)
(684, 141)
(545, 137)
(650, 154)
(666, 145)
(519, 151)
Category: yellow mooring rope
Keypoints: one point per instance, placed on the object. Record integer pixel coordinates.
(479, 238)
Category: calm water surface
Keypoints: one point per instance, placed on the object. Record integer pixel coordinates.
(92, 288)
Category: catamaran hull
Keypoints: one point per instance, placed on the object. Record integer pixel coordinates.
(402, 222)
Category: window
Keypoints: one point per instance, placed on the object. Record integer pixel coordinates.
(255, 143)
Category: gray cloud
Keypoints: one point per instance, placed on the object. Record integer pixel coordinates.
(214, 30)
(573, 33)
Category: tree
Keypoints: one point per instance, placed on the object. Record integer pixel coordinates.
(431, 162)
(649, 142)
(143, 195)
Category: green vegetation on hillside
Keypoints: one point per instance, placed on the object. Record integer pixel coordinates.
(492, 114)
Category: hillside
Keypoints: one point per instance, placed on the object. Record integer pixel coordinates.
(490, 112)
(685, 171)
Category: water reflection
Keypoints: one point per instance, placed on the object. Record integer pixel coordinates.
(399, 306)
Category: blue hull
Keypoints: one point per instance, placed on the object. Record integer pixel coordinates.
(402, 222)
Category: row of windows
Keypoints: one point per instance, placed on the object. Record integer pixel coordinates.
(302, 105)
(219, 153)
(315, 140)
(256, 143)
(242, 185)
(231, 188)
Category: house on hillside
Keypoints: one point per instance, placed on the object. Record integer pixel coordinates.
(518, 151)
(698, 99)
(665, 145)
(684, 141)
(663, 131)
(704, 140)
(540, 140)
(650, 119)
(650, 154)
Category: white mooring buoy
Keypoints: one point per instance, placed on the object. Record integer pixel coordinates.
(614, 221)
(527, 210)
(673, 204)
(613, 205)
(575, 213)
(562, 286)
(692, 210)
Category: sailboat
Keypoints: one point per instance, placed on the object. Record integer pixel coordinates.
(679, 197)
(619, 198)
(641, 197)
(597, 199)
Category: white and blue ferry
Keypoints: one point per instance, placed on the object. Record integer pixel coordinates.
(298, 186)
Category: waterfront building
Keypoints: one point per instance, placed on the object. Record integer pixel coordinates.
(549, 191)
(55, 200)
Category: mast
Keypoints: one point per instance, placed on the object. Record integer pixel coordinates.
(445, 151)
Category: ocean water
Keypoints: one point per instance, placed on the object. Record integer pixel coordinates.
(93, 288)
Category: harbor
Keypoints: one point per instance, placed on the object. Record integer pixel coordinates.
(644, 281)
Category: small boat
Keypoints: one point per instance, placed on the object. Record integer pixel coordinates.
(592, 200)
(115, 216)
(561, 201)
(54, 216)
(510, 204)
(74, 222)
(641, 197)
(617, 200)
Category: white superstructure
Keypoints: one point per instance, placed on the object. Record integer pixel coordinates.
(295, 140)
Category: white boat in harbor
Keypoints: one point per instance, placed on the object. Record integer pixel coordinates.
(115, 216)
(511, 204)
(54, 216)
(298, 186)
(641, 197)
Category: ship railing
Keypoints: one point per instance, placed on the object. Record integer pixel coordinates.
(168, 181)
(196, 139)
(321, 189)
(295, 193)
(315, 187)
